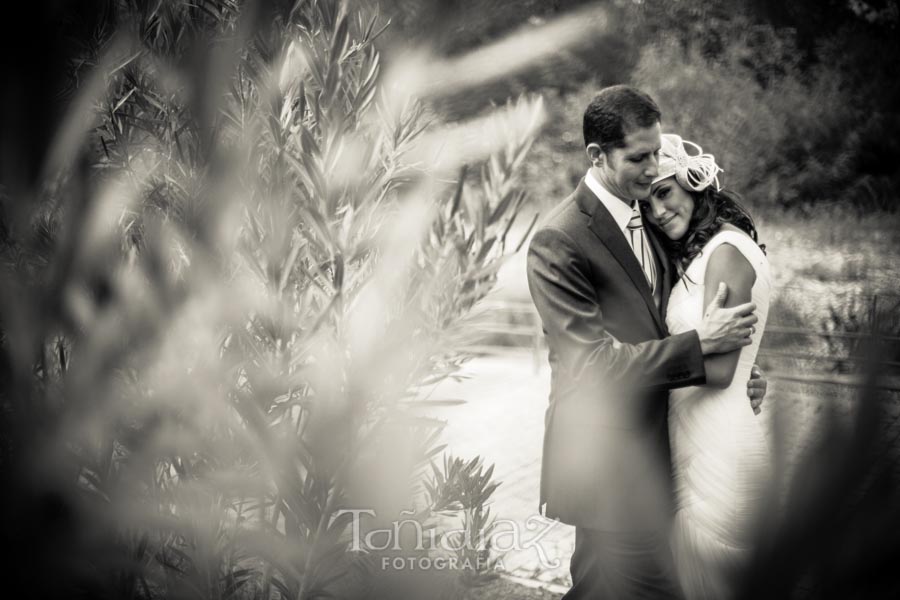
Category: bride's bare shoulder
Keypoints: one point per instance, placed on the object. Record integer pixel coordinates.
(728, 264)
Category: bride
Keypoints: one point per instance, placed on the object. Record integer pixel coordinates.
(720, 456)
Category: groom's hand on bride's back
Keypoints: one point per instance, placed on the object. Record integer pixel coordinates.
(756, 389)
(724, 328)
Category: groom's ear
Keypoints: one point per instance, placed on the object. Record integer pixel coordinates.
(594, 154)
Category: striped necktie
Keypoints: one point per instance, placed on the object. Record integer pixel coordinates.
(638, 241)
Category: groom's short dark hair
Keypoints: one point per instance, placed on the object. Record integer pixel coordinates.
(613, 110)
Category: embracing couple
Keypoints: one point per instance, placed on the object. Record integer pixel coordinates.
(653, 294)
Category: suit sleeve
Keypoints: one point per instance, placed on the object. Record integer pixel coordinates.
(566, 299)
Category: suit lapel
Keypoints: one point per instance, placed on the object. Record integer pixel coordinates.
(605, 228)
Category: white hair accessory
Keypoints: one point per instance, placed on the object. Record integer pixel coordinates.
(695, 172)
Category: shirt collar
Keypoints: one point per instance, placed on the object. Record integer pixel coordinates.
(621, 212)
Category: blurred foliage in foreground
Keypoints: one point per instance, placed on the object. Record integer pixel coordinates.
(226, 276)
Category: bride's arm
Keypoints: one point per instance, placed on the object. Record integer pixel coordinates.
(728, 265)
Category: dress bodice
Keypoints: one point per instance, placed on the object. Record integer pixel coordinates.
(686, 307)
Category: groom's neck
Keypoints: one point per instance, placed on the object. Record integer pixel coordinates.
(601, 178)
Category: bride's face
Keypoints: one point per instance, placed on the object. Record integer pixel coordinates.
(670, 208)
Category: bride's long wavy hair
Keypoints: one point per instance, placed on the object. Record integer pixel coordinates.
(712, 209)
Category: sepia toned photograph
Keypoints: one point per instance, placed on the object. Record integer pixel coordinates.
(450, 299)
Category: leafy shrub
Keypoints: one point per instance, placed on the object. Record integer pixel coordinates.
(240, 268)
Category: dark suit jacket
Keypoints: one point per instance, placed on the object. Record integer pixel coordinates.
(606, 447)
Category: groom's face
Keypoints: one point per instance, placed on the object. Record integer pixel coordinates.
(627, 172)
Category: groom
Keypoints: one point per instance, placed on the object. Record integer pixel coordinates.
(601, 283)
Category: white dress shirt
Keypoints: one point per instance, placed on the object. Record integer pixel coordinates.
(621, 214)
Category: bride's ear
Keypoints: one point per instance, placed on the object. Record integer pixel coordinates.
(594, 154)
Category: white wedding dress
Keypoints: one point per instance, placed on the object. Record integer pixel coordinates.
(720, 456)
